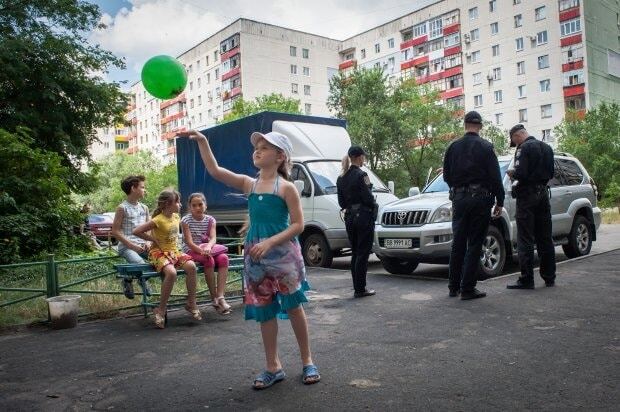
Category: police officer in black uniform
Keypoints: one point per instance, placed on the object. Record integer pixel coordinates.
(355, 198)
(533, 168)
(471, 169)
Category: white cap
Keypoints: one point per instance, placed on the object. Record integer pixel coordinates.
(277, 139)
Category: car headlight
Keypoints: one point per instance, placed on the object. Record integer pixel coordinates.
(442, 214)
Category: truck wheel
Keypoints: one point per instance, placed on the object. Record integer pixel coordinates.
(579, 239)
(316, 251)
(493, 255)
(398, 266)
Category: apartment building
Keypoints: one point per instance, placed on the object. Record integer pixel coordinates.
(515, 61)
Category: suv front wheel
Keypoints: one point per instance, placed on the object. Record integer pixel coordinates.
(398, 266)
(579, 239)
(493, 254)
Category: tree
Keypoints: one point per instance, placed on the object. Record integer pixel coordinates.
(50, 80)
(274, 102)
(499, 138)
(595, 141)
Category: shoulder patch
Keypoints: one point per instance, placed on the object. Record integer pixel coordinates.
(366, 180)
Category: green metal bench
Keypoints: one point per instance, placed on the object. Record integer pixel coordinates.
(142, 272)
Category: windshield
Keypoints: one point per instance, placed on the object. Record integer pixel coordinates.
(439, 185)
(325, 174)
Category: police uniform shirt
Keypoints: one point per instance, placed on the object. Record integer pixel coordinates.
(533, 162)
(354, 188)
(471, 160)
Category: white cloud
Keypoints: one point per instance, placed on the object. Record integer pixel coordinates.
(153, 27)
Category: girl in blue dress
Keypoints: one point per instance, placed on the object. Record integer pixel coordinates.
(274, 274)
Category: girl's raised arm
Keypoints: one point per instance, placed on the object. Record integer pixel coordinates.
(238, 181)
(143, 230)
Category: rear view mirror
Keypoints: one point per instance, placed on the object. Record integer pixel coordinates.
(413, 191)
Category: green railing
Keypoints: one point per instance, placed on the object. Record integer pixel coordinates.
(24, 286)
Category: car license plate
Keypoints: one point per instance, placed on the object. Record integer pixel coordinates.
(398, 243)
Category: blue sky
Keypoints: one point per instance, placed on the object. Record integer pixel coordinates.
(139, 29)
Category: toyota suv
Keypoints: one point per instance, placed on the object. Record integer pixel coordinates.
(418, 229)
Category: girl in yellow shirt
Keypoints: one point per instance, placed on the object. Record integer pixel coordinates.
(165, 255)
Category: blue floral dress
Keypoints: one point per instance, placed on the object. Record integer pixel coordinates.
(277, 282)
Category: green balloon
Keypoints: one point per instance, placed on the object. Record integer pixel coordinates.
(164, 77)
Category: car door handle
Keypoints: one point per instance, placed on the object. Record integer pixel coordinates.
(567, 193)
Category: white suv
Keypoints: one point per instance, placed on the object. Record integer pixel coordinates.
(418, 229)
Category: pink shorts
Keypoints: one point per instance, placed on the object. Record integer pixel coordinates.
(219, 261)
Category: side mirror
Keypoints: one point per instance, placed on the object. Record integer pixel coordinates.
(413, 191)
(391, 186)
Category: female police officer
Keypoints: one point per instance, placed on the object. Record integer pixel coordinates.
(355, 198)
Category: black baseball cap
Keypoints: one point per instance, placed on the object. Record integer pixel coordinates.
(515, 129)
(473, 117)
(355, 151)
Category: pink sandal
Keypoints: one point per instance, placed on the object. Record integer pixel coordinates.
(221, 306)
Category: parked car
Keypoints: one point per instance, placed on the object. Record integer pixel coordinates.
(100, 226)
(418, 229)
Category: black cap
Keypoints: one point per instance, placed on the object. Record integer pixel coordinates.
(473, 117)
(515, 129)
(355, 151)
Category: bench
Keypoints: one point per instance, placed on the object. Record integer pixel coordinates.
(142, 272)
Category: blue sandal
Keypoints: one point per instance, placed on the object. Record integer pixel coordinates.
(310, 375)
(268, 379)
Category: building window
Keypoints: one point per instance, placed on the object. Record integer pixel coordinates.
(452, 61)
(208, 78)
(498, 118)
(546, 135)
(545, 111)
(545, 85)
(293, 51)
(543, 61)
(573, 78)
(521, 91)
(207, 60)
(569, 27)
(520, 67)
(540, 13)
(199, 100)
(349, 56)
(477, 77)
(522, 115)
(308, 108)
(541, 38)
(293, 69)
(377, 48)
(198, 83)
(307, 89)
(473, 13)
(294, 88)
(474, 35)
(515, 2)
(519, 43)
(475, 56)
(419, 30)
(306, 71)
(478, 100)
(493, 6)
(215, 55)
(391, 43)
(568, 4)
(454, 81)
(494, 28)
(363, 53)
(209, 114)
(495, 50)
(435, 28)
(191, 103)
(498, 96)
(518, 20)
(217, 74)
(497, 73)
(305, 53)
(451, 39)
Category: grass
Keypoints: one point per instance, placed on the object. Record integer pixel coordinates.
(611, 216)
(101, 305)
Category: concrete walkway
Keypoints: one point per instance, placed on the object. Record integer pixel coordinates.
(408, 348)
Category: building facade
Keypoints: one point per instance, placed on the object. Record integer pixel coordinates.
(514, 61)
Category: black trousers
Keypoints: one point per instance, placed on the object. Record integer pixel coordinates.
(470, 222)
(360, 227)
(534, 227)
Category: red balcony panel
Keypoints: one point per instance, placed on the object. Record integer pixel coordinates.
(452, 71)
(574, 90)
(406, 65)
(167, 103)
(448, 94)
(422, 80)
(452, 50)
(453, 28)
(420, 60)
(229, 54)
(172, 117)
(347, 63)
(234, 92)
(132, 149)
(231, 73)
(413, 42)
(171, 150)
(569, 14)
(574, 39)
(434, 76)
(567, 67)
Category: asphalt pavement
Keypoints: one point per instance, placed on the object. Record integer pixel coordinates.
(410, 347)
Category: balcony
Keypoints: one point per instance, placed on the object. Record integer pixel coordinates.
(452, 50)
(134, 121)
(230, 53)
(574, 90)
(231, 73)
(452, 28)
(574, 65)
(574, 39)
(414, 42)
(347, 63)
(132, 149)
(172, 133)
(168, 103)
(172, 117)
(448, 94)
(414, 62)
(569, 14)
(121, 138)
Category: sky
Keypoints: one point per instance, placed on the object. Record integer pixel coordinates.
(139, 29)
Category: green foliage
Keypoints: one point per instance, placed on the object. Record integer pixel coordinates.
(274, 102)
(36, 211)
(499, 138)
(595, 141)
(50, 80)
(112, 169)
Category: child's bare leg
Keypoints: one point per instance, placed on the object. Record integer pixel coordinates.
(190, 283)
(170, 276)
(222, 274)
(269, 332)
(300, 327)
(210, 279)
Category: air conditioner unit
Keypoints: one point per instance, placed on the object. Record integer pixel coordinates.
(533, 38)
(489, 77)
(468, 55)
(466, 38)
